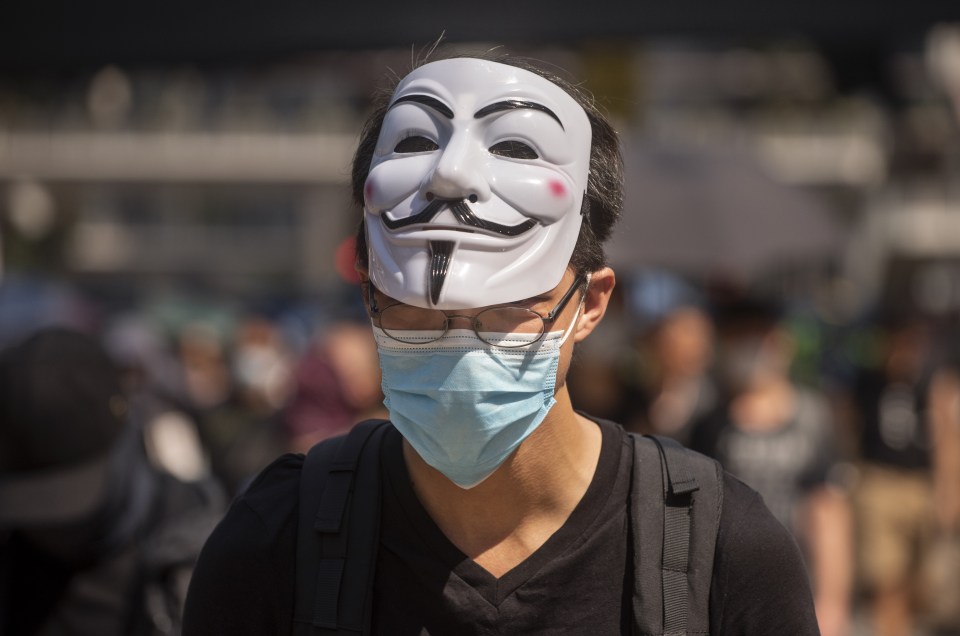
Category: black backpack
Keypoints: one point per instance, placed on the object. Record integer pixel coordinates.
(672, 535)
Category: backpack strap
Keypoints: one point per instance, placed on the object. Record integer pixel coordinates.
(676, 496)
(338, 532)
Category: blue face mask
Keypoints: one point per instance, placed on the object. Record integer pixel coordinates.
(465, 405)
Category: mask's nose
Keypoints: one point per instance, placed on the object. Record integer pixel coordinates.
(460, 171)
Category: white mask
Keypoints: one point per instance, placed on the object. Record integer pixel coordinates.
(476, 184)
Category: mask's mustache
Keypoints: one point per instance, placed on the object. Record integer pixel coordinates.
(464, 215)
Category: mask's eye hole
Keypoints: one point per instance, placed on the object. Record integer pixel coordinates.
(416, 143)
(514, 150)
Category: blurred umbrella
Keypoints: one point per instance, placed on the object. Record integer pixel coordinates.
(707, 211)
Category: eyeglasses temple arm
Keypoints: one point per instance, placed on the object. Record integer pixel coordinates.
(577, 284)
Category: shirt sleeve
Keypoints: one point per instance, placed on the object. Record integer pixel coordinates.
(823, 433)
(244, 578)
(760, 585)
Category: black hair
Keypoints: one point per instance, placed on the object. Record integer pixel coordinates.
(60, 401)
(747, 312)
(603, 201)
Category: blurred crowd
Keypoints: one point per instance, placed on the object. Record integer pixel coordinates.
(219, 389)
(124, 434)
(851, 433)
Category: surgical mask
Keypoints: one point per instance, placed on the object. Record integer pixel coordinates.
(465, 405)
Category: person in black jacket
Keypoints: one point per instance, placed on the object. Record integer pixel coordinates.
(489, 187)
(93, 540)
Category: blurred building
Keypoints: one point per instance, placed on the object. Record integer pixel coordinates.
(232, 178)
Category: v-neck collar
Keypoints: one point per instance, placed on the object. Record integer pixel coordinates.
(567, 537)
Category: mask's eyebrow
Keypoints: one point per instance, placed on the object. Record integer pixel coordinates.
(426, 100)
(513, 104)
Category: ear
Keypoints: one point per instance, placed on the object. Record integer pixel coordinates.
(362, 273)
(595, 302)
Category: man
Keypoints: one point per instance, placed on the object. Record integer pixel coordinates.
(488, 190)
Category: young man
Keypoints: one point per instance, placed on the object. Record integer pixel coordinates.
(488, 190)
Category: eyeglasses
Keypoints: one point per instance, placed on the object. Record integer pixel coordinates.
(418, 325)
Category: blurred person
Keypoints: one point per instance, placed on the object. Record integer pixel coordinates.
(93, 539)
(487, 505)
(909, 486)
(677, 386)
(204, 360)
(242, 428)
(143, 357)
(674, 387)
(780, 439)
(153, 384)
(337, 385)
(261, 364)
(940, 589)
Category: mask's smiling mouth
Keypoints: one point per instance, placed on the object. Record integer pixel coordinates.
(451, 228)
(464, 215)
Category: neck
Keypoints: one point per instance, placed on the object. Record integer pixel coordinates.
(504, 519)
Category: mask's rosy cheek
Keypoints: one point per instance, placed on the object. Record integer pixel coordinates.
(557, 188)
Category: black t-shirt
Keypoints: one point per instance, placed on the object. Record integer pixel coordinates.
(445, 592)
(784, 464)
(894, 421)
(573, 584)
